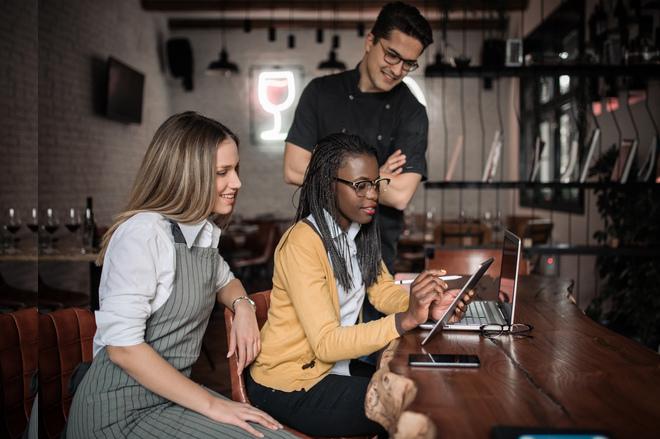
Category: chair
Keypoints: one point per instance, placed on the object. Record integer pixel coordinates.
(257, 266)
(18, 365)
(467, 261)
(538, 230)
(65, 340)
(461, 233)
(238, 392)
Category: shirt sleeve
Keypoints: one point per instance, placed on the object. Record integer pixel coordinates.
(129, 283)
(224, 274)
(304, 129)
(412, 139)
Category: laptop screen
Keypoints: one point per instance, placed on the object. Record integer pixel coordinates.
(508, 276)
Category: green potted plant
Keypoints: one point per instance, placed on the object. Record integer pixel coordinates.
(629, 297)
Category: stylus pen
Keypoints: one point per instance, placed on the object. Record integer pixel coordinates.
(409, 281)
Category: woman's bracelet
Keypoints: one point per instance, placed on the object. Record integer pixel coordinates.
(238, 299)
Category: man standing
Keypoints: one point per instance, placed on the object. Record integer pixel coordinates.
(370, 101)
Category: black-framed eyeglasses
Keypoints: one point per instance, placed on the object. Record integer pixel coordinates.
(362, 187)
(517, 330)
(393, 59)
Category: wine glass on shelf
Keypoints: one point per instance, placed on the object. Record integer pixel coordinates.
(51, 224)
(73, 222)
(12, 225)
(33, 225)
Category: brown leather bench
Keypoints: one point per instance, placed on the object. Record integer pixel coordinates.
(18, 365)
(65, 340)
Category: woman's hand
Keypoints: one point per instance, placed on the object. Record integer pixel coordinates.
(440, 305)
(239, 414)
(244, 340)
(426, 288)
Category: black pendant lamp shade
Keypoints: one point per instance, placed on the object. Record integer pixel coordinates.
(439, 66)
(332, 63)
(360, 29)
(335, 41)
(222, 66)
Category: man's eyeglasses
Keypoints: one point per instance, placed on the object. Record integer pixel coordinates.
(495, 330)
(362, 187)
(393, 59)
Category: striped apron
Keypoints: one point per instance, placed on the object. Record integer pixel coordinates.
(110, 404)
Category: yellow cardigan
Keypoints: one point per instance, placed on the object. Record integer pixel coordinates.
(303, 336)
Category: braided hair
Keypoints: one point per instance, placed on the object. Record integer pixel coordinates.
(318, 193)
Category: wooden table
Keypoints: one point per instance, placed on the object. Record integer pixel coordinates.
(574, 373)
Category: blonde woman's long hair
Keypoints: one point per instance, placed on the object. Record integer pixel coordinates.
(177, 174)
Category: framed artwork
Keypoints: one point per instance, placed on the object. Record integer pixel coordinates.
(455, 153)
(624, 161)
(493, 158)
(593, 144)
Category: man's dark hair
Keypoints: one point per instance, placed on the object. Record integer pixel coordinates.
(405, 18)
(317, 194)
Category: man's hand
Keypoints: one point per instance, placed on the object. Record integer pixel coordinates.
(393, 166)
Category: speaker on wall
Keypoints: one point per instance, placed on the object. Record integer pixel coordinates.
(180, 60)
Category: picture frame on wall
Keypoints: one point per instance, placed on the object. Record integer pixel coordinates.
(567, 175)
(624, 161)
(646, 172)
(493, 158)
(593, 144)
(514, 52)
(539, 145)
(453, 161)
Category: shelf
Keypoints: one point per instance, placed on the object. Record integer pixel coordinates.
(565, 249)
(596, 250)
(642, 70)
(537, 185)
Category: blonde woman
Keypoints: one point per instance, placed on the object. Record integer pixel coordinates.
(161, 276)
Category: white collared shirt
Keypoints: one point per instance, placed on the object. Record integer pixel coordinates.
(138, 275)
(350, 302)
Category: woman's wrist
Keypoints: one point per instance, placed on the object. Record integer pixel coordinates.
(243, 302)
(404, 322)
(208, 404)
(243, 306)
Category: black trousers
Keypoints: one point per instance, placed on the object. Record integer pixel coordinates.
(333, 407)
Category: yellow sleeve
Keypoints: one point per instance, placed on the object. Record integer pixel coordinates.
(387, 297)
(303, 265)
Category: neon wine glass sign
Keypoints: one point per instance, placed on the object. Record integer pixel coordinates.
(276, 91)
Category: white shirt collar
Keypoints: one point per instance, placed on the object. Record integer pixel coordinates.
(335, 230)
(191, 232)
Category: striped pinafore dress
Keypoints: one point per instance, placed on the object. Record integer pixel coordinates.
(110, 404)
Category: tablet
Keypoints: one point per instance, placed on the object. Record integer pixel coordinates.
(470, 284)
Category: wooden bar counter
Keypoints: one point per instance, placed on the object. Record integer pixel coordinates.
(573, 373)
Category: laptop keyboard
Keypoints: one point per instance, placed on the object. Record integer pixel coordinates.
(481, 313)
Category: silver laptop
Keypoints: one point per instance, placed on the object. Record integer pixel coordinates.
(501, 311)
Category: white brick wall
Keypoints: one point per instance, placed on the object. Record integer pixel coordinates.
(18, 123)
(82, 153)
(226, 99)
